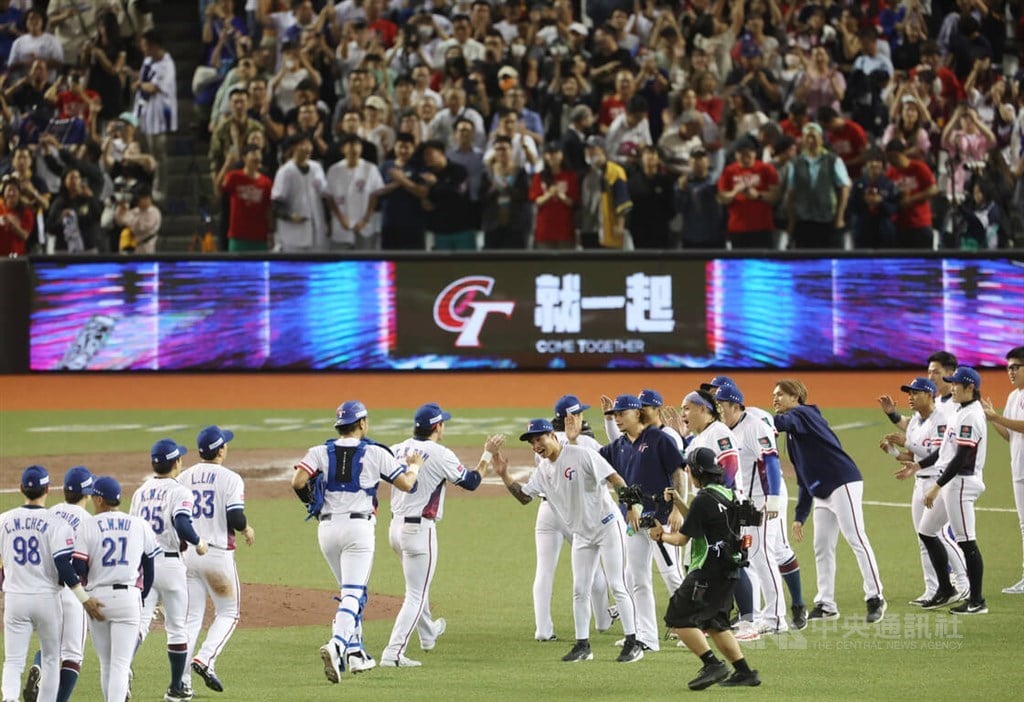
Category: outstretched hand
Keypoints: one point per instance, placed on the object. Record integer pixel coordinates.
(500, 464)
(494, 443)
(887, 404)
(606, 403)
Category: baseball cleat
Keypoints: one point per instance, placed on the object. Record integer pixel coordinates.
(799, 617)
(631, 652)
(738, 679)
(876, 610)
(709, 675)
(440, 626)
(1015, 589)
(332, 662)
(359, 662)
(746, 631)
(920, 600)
(970, 608)
(131, 679)
(939, 599)
(580, 652)
(819, 613)
(177, 694)
(543, 639)
(400, 662)
(208, 676)
(31, 691)
(767, 629)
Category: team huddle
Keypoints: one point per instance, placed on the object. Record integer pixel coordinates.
(696, 491)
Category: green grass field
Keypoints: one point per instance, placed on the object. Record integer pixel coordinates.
(484, 577)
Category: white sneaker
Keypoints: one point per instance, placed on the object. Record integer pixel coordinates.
(332, 662)
(746, 631)
(359, 661)
(1016, 589)
(440, 626)
(400, 662)
(767, 629)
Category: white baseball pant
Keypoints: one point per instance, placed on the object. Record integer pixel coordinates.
(607, 545)
(215, 575)
(170, 587)
(955, 505)
(549, 534)
(784, 552)
(72, 635)
(842, 512)
(957, 564)
(23, 614)
(114, 638)
(639, 552)
(348, 546)
(764, 573)
(416, 546)
(1018, 499)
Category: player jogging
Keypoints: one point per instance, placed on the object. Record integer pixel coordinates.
(218, 511)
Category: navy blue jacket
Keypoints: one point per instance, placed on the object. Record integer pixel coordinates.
(819, 459)
(649, 462)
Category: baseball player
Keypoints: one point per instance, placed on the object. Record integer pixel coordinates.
(830, 481)
(789, 566)
(36, 547)
(166, 505)
(550, 532)
(644, 455)
(218, 511)
(959, 462)
(413, 534)
(572, 478)
(1010, 426)
(114, 546)
(346, 472)
(759, 476)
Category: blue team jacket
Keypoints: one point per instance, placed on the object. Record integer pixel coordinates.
(650, 462)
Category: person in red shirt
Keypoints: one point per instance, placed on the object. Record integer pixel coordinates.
(556, 192)
(845, 138)
(748, 187)
(615, 104)
(248, 192)
(916, 183)
(796, 118)
(931, 60)
(16, 221)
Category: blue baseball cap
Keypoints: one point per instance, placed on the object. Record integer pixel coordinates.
(350, 412)
(212, 438)
(34, 477)
(650, 398)
(168, 451)
(107, 488)
(78, 480)
(535, 428)
(920, 384)
(717, 382)
(430, 414)
(729, 393)
(965, 375)
(569, 404)
(625, 402)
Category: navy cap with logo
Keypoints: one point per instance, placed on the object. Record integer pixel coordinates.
(166, 451)
(964, 375)
(650, 398)
(107, 488)
(212, 438)
(729, 393)
(536, 427)
(920, 384)
(430, 414)
(717, 382)
(35, 477)
(78, 480)
(703, 461)
(625, 402)
(350, 412)
(569, 404)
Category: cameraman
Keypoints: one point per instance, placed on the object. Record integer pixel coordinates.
(704, 600)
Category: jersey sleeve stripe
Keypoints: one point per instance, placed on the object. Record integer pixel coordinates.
(237, 505)
(64, 552)
(964, 442)
(306, 467)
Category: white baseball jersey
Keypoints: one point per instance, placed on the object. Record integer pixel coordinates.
(572, 484)
(754, 441)
(440, 465)
(113, 544)
(924, 436)
(30, 538)
(582, 440)
(74, 515)
(158, 501)
(762, 415)
(216, 490)
(718, 437)
(351, 188)
(301, 193)
(1015, 410)
(969, 428)
(947, 408)
(376, 463)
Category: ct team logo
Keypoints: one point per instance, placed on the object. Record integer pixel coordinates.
(457, 308)
(570, 472)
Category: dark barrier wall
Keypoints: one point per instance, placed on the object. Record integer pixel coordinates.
(15, 288)
(536, 311)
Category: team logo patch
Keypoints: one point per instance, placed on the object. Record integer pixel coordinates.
(724, 444)
(763, 441)
(942, 430)
(570, 473)
(965, 431)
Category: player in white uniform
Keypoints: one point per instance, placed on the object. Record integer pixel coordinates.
(413, 533)
(345, 472)
(36, 547)
(550, 532)
(760, 477)
(1010, 426)
(572, 478)
(166, 505)
(960, 463)
(218, 511)
(114, 546)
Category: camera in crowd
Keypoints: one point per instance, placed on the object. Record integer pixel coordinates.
(126, 190)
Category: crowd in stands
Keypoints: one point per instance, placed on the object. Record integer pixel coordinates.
(466, 124)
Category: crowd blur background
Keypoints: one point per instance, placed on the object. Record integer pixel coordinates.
(308, 125)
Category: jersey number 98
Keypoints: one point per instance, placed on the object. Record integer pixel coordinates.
(26, 550)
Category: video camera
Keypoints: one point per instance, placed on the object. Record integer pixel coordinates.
(747, 515)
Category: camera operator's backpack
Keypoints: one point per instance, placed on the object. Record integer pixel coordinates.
(734, 545)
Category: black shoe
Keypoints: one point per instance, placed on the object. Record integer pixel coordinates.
(208, 676)
(631, 651)
(550, 638)
(876, 610)
(938, 599)
(970, 608)
(580, 652)
(31, 691)
(709, 675)
(177, 694)
(820, 613)
(738, 679)
(799, 617)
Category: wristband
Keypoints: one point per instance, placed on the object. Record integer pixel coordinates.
(80, 593)
(895, 417)
(486, 456)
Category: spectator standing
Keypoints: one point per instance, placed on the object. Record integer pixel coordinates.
(581, 119)
(697, 203)
(143, 220)
(505, 200)
(353, 184)
(966, 140)
(449, 214)
(605, 199)
(249, 204)
(10, 19)
(556, 193)
(651, 191)
(629, 132)
(35, 45)
(16, 221)
(845, 138)
(748, 188)
(442, 127)
(874, 202)
(821, 84)
(232, 133)
(298, 195)
(469, 156)
(916, 183)
(73, 221)
(156, 103)
(818, 189)
(402, 218)
(105, 59)
(73, 22)
(910, 122)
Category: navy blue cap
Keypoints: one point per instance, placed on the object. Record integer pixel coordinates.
(167, 451)
(213, 437)
(704, 461)
(729, 393)
(78, 480)
(107, 488)
(650, 398)
(921, 384)
(34, 476)
(430, 414)
(965, 375)
(717, 382)
(350, 412)
(569, 404)
(536, 427)
(625, 402)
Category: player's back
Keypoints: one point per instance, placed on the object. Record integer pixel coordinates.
(74, 515)
(115, 543)
(440, 465)
(30, 537)
(215, 490)
(158, 501)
